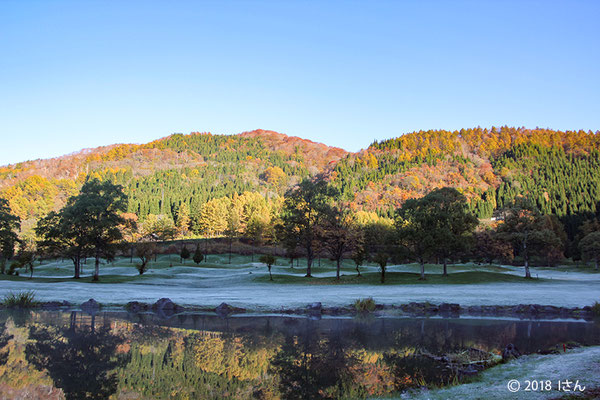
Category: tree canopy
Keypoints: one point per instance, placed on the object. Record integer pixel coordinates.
(9, 230)
(305, 207)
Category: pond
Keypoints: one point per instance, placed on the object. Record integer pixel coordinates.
(117, 355)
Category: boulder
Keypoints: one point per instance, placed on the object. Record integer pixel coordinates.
(449, 308)
(135, 306)
(225, 309)
(552, 310)
(165, 304)
(431, 308)
(534, 309)
(415, 308)
(475, 310)
(528, 309)
(494, 310)
(52, 305)
(315, 307)
(336, 310)
(91, 306)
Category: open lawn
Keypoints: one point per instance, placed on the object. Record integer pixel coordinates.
(400, 278)
(246, 283)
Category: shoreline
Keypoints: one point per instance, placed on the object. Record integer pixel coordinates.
(167, 308)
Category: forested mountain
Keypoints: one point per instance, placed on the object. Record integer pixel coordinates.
(560, 171)
(161, 175)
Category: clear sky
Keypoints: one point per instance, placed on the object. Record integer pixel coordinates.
(88, 73)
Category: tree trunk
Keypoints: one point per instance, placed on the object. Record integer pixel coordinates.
(77, 261)
(526, 258)
(309, 260)
(308, 268)
(422, 278)
(96, 269)
(596, 259)
(382, 274)
(230, 243)
(358, 271)
(527, 272)
(445, 267)
(337, 272)
(270, 276)
(131, 255)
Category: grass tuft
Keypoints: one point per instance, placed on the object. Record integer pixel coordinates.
(25, 299)
(365, 305)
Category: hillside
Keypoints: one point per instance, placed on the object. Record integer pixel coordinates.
(559, 170)
(161, 174)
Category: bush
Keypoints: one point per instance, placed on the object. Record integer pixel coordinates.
(185, 254)
(267, 259)
(365, 305)
(198, 256)
(25, 299)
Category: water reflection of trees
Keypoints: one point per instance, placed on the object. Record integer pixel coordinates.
(4, 339)
(319, 360)
(80, 360)
(338, 365)
(263, 358)
(311, 367)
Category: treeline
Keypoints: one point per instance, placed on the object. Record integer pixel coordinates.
(311, 220)
(488, 142)
(438, 227)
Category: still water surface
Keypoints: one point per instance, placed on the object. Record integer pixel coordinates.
(116, 355)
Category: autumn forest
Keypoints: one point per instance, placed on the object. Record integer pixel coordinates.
(192, 180)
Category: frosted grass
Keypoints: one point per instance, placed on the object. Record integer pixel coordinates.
(581, 364)
(217, 281)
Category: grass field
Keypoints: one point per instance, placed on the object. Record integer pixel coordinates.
(217, 266)
(245, 283)
(400, 278)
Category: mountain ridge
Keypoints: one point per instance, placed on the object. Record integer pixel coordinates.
(559, 170)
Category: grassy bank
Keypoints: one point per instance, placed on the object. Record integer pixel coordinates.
(167, 269)
(402, 278)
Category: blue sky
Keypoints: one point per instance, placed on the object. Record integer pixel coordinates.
(88, 73)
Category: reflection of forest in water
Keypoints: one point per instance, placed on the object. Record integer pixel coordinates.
(193, 356)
